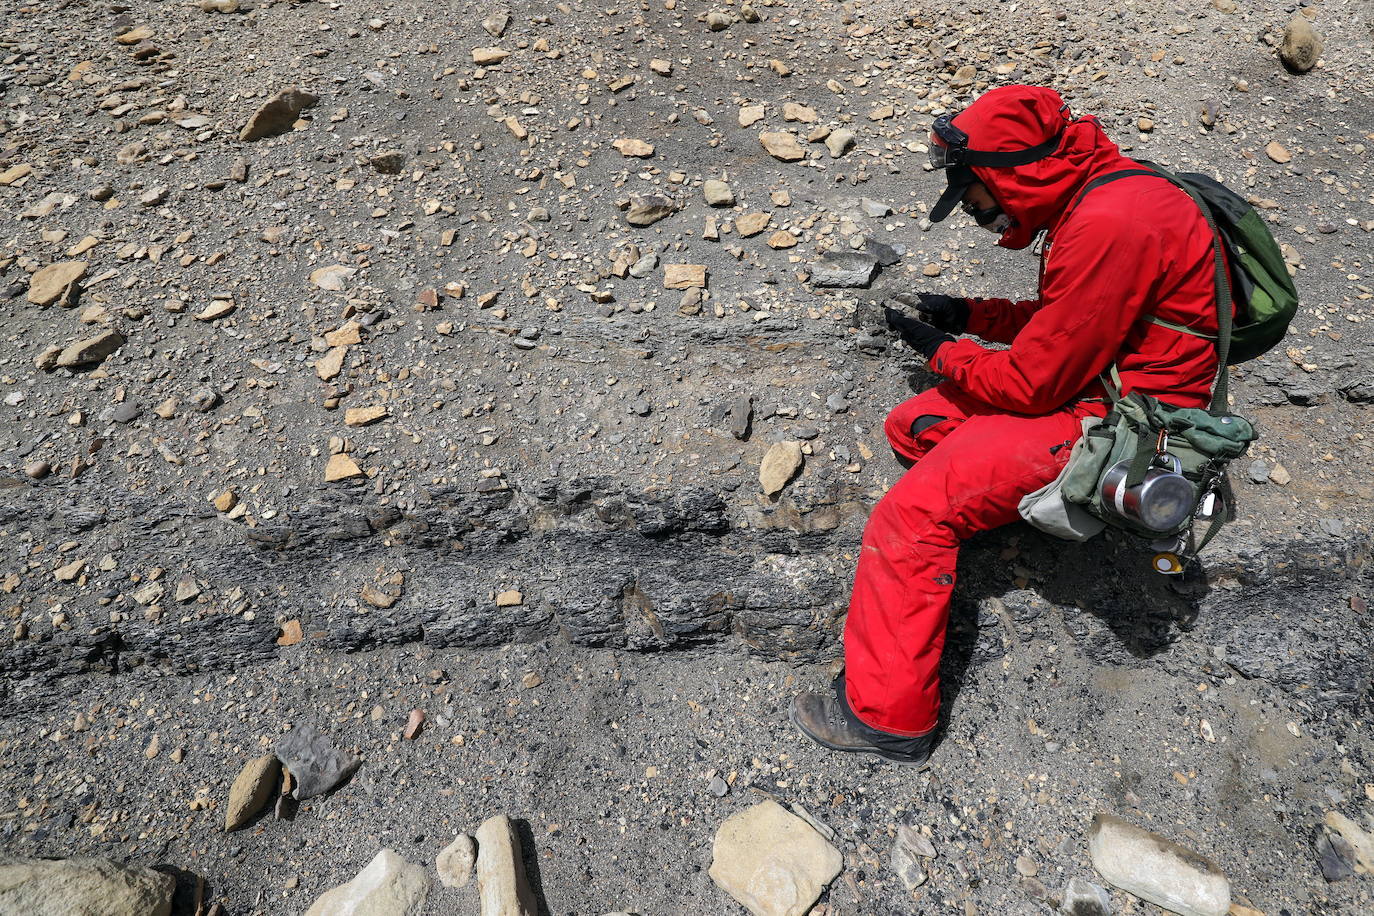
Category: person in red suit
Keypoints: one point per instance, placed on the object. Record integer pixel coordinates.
(1002, 421)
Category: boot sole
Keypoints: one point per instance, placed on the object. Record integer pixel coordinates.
(904, 761)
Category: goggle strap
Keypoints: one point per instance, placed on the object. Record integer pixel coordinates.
(1007, 159)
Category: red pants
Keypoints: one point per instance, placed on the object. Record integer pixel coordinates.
(972, 466)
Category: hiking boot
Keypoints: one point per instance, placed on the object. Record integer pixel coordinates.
(826, 719)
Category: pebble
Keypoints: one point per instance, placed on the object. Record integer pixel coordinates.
(684, 276)
(780, 464)
(455, 861)
(1083, 898)
(845, 269)
(1301, 48)
(48, 284)
(278, 114)
(89, 352)
(839, 142)
(782, 145)
(645, 211)
(718, 193)
(251, 791)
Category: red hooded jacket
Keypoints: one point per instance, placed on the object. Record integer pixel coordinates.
(1130, 249)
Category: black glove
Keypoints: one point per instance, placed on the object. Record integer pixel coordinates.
(948, 313)
(918, 335)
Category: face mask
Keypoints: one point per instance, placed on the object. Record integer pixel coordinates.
(994, 219)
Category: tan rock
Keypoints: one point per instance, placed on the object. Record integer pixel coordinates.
(362, 416)
(90, 352)
(718, 21)
(278, 114)
(15, 172)
(839, 142)
(510, 598)
(684, 276)
(749, 224)
(485, 57)
(290, 634)
(1361, 841)
(226, 501)
(660, 66)
(135, 35)
(35, 887)
(782, 145)
(341, 467)
(631, 148)
(347, 334)
(1278, 152)
(517, 130)
(501, 882)
(645, 211)
(376, 597)
(751, 114)
(782, 239)
(1301, 48)
(331, 364)
(69, 572)
(334, 277)
(718, 193)
(780, 464)
(793, 111)
(47, 284)
(217, 309)
(772, 862)
(251, 790)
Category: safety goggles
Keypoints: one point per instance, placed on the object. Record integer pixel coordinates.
(949, 149)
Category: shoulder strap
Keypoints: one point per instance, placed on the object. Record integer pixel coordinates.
(1221, 280)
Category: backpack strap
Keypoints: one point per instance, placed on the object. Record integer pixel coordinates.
(1221, 279)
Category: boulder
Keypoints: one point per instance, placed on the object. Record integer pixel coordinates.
(82, 887)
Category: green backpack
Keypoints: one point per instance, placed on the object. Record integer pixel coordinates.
(1265, 297)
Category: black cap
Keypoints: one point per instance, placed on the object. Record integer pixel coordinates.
(959, 178)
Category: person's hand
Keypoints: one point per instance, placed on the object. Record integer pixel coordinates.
(948, 313)
(918, 335)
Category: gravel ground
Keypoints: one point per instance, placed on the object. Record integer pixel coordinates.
(349, 388)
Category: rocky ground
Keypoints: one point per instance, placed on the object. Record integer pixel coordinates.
(443, 382)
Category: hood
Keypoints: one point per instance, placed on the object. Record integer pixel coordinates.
(1036, 194)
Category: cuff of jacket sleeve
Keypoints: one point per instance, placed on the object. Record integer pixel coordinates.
(979, 317)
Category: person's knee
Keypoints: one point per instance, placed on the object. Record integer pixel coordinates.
(924, 422)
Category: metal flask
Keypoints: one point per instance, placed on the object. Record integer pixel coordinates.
(1161, 502)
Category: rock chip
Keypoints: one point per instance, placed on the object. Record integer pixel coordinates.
(718, 193)
(718, 21)
(333, 278)
(752, 223)
(684, 276)
(388, 162)
(631, 148)
(495, 25)
(387, 886)
(793, 111)
(751, 114)
(315, 764)
(1278, 152)
(277, 114)
(1157, 870)
(1083, 898)
(782, 145)
(341, 467)
(485, 57)
(839, 142)
(501, 880)
(82, 887)
(645, 211)
(780, 464)
(1301, 47)
(772, 862)
(844, 269)
(90, 352)
(47, 285)
(251, 790)
(455, 861)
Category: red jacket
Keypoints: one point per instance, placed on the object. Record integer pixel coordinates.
(1132, 248)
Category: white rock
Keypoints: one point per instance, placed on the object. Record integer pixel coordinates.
(39, 887)
(780, 463)
(773, 862)
(387, 886)
(501, 871)
(1157, 870)
(455, 861)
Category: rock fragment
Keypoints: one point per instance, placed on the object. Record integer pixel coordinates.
(645, 211)
(1301, 48)
(1157, 870)
(839, 142)
(632, 148)
(718, 193)
(780, 464)
(333, 278)
(251, 790)
(782, 145)
(772, 862)
(387, 886)
(455, 861)
(718, 21)
(341, 467)
(278, 114)
(485, 57)
(60, 887)
(495, 25)
(684, 276)
(91, 351)
(48, 284)
(1083, 898)
(749, 224)
(315, 764)
(844, 269)
(905, 858)
(501, 882)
